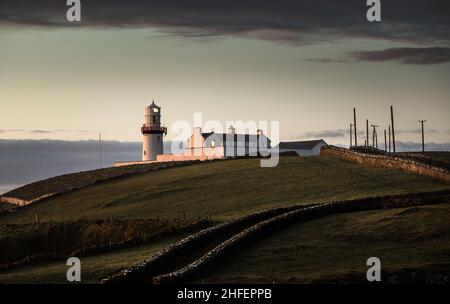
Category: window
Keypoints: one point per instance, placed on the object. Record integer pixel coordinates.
(213, 143)
(145, 153)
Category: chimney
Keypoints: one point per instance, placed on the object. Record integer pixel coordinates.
(259, 132)
(197, 131)
(232, 130)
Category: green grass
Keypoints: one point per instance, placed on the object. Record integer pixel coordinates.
(6, 206)
(93, 268)
(77, 180)
(225, 190)
(338, 245)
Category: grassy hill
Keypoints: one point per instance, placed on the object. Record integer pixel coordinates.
(335, 249)
(94, 267)
(77, 180)
(217, 191)
(223, 190)
(6, 206)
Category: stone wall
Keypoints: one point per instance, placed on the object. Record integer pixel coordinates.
(388, 161)
(256, 225)
(145, 269)
(303, 214)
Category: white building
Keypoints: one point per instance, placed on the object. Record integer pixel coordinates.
(303, 148)
(223, 145)
(201, 146)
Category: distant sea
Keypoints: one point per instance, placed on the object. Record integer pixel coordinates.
(26, 161)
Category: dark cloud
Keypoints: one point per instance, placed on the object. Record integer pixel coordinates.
(431, 55)
(410, 55)
(414, 146)
(415, 131)
(288, 21)
(326, 60)
(322, 134)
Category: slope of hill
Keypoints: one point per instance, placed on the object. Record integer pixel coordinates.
(413, 245)
(6, 206)
(78, 180)
(223, 190)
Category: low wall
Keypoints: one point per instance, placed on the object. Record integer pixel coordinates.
(388, 161)
(258, 224)
(145, 269)
(303, 214)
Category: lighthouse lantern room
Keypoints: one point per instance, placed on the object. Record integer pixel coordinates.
(153, 133)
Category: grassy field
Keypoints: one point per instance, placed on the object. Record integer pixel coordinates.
(93, 268)
(21, 242)
(339, 245)
(224, 190)
(6, 206)
(78, 180)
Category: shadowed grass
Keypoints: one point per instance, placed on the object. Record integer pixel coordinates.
(335, 246)
(224, 190)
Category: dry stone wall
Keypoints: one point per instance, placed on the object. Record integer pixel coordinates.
(269, 221)
(388, 161)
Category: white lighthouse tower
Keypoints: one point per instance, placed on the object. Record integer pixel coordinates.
(153, 133)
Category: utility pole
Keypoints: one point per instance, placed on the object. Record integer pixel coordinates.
(100, 148)
(423, 136)
(351, 132)
(367, 132)
(389, 138)
(385, 141)
(374, 136)
(354, 125)
(393, 130)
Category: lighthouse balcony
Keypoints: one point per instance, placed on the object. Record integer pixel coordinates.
(153, 130)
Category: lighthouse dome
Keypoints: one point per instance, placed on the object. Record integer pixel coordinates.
(153, 105)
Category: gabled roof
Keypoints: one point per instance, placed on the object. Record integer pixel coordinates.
(300, 145)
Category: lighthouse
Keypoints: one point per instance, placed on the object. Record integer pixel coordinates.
(153, 133)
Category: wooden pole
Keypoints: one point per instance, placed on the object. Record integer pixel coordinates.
(367, 132)
(385, 141)
(389, 138)
(351, 132)
(393, 129)
(354, 125)
(100, 148)
(376, 139)
(423, 136)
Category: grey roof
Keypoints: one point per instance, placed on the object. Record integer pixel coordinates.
(300, 145)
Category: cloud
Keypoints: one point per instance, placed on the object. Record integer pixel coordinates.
(416, 131)
(27, 131)
(414, 146)
(327, 60)
(410, 55)
(322, 134)
(422, 56)
(289, 21)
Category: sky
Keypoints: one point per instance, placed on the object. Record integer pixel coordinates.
(303, 63)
